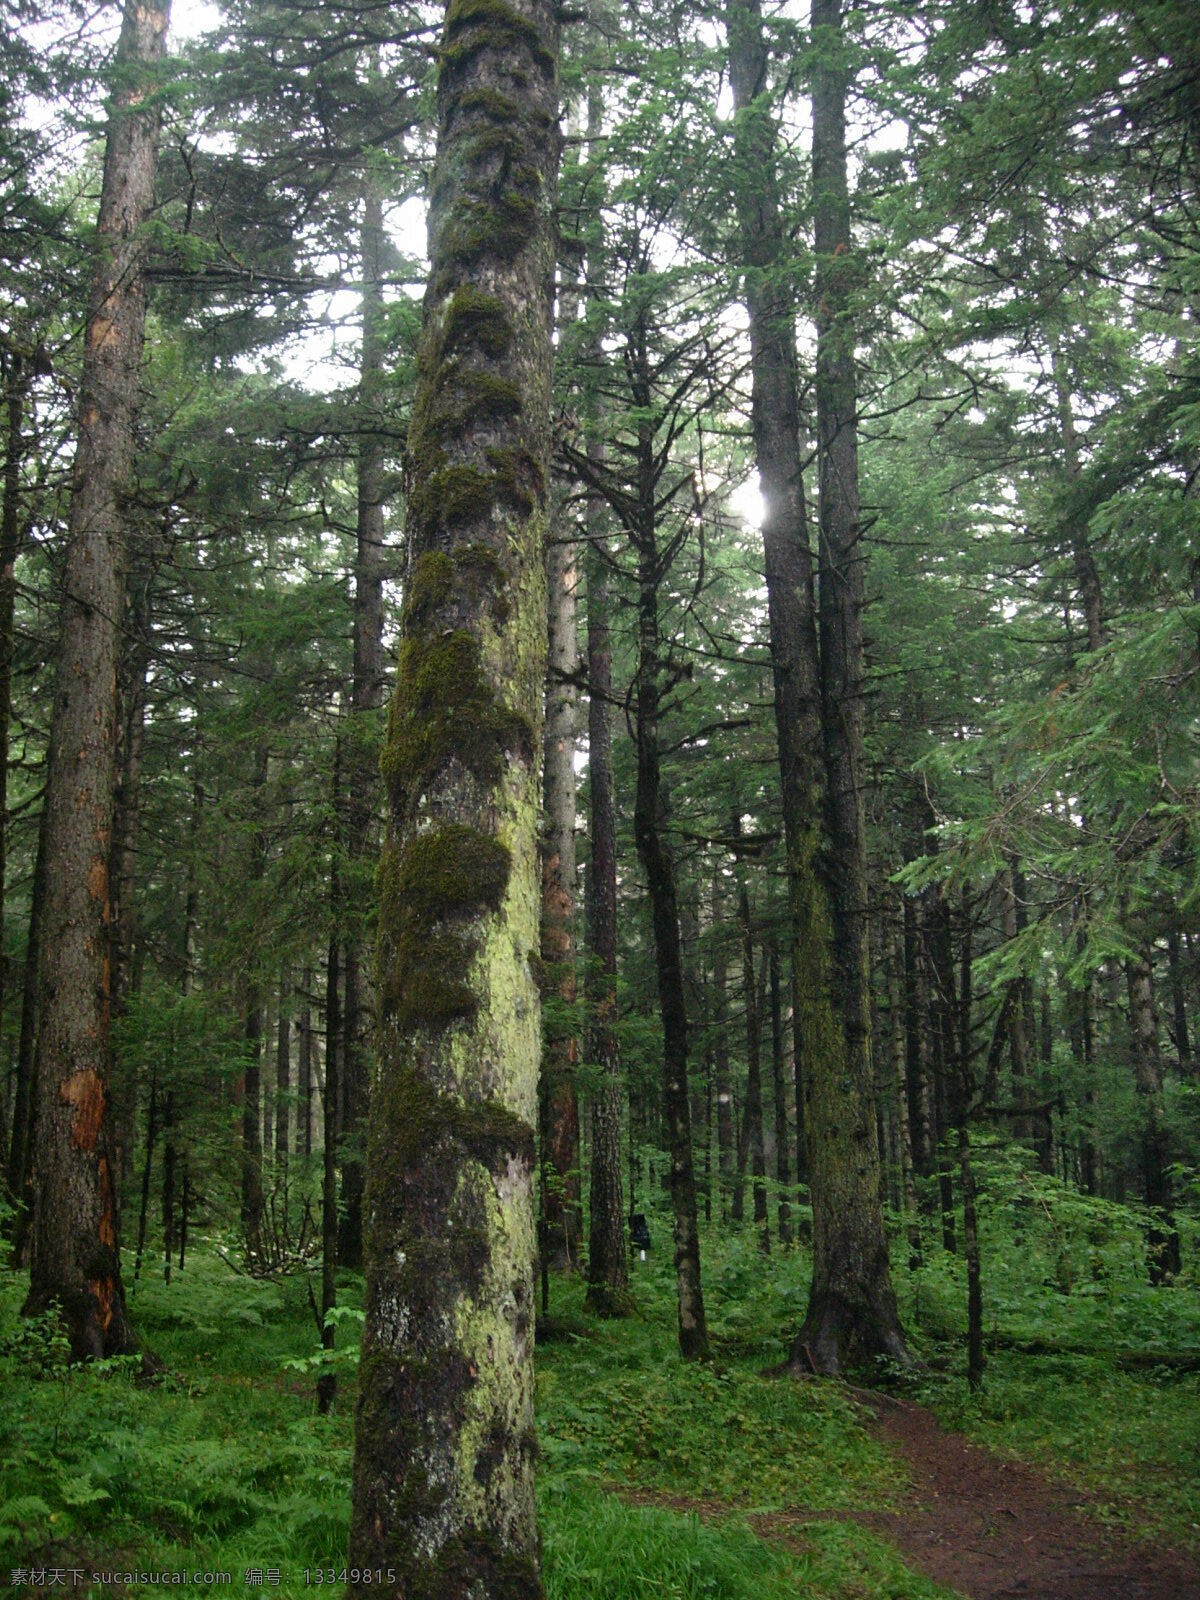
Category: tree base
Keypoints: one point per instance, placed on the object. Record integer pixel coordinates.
(839, 1333)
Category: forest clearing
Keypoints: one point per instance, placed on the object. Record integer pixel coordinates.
(600, 756)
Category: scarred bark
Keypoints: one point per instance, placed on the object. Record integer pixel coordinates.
(443, 1469)
(75, 1259)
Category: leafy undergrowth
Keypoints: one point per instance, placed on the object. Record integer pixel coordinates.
(1067, 1298)
(223, 1466)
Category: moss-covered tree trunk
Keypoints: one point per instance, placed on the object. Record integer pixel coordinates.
(852, 1312)
(852, 1308)
(443, 1472)
(75, 1258)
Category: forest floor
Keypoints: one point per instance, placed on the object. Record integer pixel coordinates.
(983, 1526)
(1067, 1479)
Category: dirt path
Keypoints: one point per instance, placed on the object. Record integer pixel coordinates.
(992, 1529)
(999, 1530)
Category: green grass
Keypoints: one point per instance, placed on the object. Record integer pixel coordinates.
(223, 1463)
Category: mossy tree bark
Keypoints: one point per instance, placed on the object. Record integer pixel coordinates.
(852, 1312)
(443, 1470)
(75, 1258)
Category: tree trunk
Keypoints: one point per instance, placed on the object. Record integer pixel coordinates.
(726, 1153)
(16, 382)
(443, 1471)
(20, 1150)
(327, 1381)
(783, 1166)
(852, 1312)
(366, 697)
(851, 1305)
(560, 1222)
(304, 1128)
(75, 1256)
(1147, 1067)
(131, 700)
(659, 867)
(608, 1260)
(752, 1154)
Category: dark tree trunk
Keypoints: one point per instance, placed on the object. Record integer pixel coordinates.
(304, 1128)
(327, 1381)
(131, 699)
(16, 381)
(443, 1470)
(170, 1163)
(75, 1257)
(608, 1260)
(366, 697)
(852, 1312)
(144, 1209)
(659, 867)
(20, 1150)
(283, 1072)
(1155, 1142)
(817, 694)
(898, 1039)
(560, 1219)
(751, 1154)
(783, 1166)
(252, 1201)
(726, 1153)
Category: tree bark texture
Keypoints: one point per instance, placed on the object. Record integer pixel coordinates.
(608, 1259)
(658, 864)
(783, 1165)
(75, 1257)
(366, 697)
(1147, 1067)
(443, 1471)
(852, 1312)
(561, 1219)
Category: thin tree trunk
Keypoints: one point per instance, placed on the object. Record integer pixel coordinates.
(752, 1154)
(327, 1381)
(75, 1259)
(305, 1070)
(1165, 1257)
(20, 1150)
(144, 1210)
(726, 1153)
(134, 661)
(16, 381)
(783, 1166)
(659, 867)
(561, 1219)
(366, 697)
(608, 1260)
